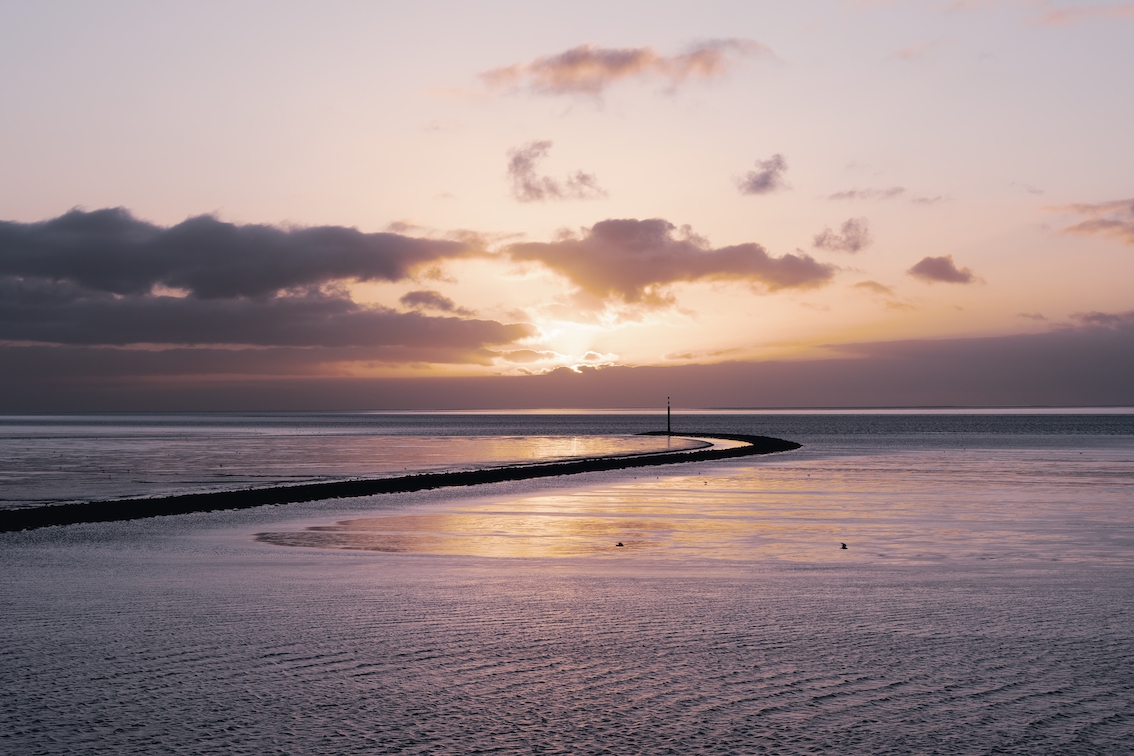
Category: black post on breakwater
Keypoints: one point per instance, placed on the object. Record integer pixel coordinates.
(668, 427)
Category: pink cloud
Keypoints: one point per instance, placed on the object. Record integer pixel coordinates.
(589, 70)
(1115, 219)
(633, 260)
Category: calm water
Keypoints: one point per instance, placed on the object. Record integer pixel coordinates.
(56, 459)
(984, 603)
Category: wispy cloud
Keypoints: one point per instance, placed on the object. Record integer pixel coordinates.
(970, 5)
(853, 236)
(883, 292)
(1114, 219)
(919, 50)
(634, 260)
(1027, 188)
(941, 270)
(875, 287)
(529, 186)
(589, 70)
(1065, 16)
(767, 178)
(1048, 13)
(1105, 319)
(883, 194)
(889, 193)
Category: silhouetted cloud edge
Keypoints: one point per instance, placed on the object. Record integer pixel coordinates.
(1084, 363)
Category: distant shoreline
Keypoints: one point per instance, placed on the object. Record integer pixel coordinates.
(119, 510)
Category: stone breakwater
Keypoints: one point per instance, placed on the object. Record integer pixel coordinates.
(135, 509)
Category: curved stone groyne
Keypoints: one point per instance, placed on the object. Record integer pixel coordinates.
(136, 509)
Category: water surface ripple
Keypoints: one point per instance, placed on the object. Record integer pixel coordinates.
(984, 605)
(428, 662)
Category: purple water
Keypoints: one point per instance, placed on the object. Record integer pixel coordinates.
(983, 605)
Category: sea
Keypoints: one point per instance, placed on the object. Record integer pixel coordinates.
(983, 603)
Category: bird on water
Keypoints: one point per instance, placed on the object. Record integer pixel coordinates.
(843, 546)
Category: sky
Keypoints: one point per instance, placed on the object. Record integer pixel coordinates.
(449, 205)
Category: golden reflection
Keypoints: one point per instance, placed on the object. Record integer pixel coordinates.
(903, 507)
(656, 515)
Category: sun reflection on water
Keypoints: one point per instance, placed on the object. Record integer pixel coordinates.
(906, 507)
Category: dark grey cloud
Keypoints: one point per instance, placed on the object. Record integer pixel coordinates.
(588, 70)
(529, 186)
(941, 269)
(111, 251)
(634, 259)
(65, 314)
(1114, 219)
(767, 178)
(106, 279)
(853, 236)
(432, 300)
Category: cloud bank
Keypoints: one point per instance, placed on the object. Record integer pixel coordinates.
(941, 269)
(853, 236)
(1084, 364)
(633, 260)
(589, 70)
(106, 279)
(1114, 219)
(529, 186)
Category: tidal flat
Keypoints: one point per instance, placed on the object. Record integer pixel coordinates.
(984, 604)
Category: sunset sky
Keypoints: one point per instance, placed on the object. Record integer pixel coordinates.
(251, 194)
